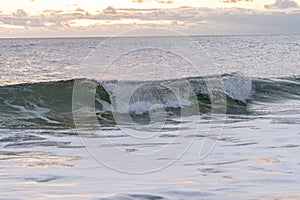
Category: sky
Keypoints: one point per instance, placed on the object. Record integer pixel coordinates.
(82, 18)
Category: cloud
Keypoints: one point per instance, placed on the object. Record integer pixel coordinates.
(20, 13)
(47, 12)
(189, 20)
(282, 4)
(234, 1)
(158, 1)
(80, 10)
(109, 10)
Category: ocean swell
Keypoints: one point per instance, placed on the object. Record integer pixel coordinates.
(49, 104)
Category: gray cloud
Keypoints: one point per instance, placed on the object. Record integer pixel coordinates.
(282, 4)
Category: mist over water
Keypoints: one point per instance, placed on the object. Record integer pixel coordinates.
(43, 152)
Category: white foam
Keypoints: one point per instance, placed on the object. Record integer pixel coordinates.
(238, 87)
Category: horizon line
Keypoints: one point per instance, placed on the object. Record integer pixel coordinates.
(131, 36)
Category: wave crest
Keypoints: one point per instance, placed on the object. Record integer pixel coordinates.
(50, 103)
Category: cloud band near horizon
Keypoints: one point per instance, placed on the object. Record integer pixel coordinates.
(280, 17)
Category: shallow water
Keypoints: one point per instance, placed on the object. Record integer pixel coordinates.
(254, 158)
(43, 155)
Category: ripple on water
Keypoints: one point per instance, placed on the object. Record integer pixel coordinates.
(27, 159)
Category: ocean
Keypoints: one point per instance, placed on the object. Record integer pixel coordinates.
(200, 117)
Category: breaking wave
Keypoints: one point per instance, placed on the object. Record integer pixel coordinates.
(50, 103)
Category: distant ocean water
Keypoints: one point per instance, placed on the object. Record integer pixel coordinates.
(43, 150)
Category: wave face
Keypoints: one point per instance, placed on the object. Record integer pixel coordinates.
(49, 104)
